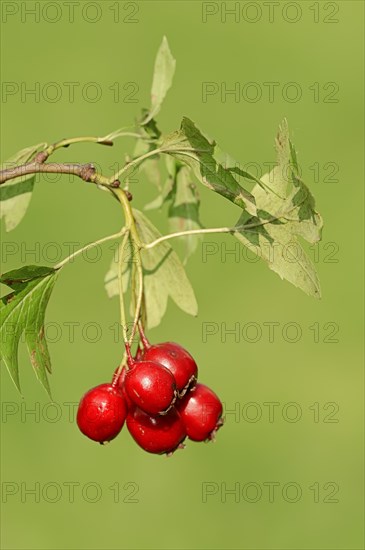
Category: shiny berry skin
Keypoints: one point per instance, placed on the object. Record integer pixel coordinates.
(156, 434)
(177, 360)
(151, 387)
(102, 412)
(201, 412)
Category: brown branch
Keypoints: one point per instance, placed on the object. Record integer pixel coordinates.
(37, 165)
(86, 172)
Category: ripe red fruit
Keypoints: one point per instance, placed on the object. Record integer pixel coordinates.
(156, 434)
(177, 360)
(151, 387)
(201, 412)
(101, 413)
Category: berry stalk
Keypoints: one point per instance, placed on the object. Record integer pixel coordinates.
(123, 317)
(136, 245)
(144, 339)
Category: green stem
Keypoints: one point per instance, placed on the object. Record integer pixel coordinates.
(121, 365)
(121, 133)
(43, 155)
(186, 233)
(136, 245)
(205, 232)
(134, 288)
(81, 139)
(123, 317)
(90, 245)
(134, 162)
(138, 306)
(130, 223)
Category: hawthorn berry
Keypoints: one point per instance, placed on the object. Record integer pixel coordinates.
(179, 361)
(201, 412)
(102, 412)
(150, 386)
(156, 433)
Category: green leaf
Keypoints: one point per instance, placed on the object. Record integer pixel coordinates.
(15, 194)
(152, 170)
(183, 198)
(25, 274)
(149, 166)
(23, 310)
(162, 78)
(111, 281)
(168, 188)
(23, 156)
(191, 147)
(184, 209)
(283, 215)
(164, 275)
(150, 128)
(164, 195)
(232, 166)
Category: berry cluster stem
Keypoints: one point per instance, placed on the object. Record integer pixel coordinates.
(144, 339)
(136, 247)
(123, 317)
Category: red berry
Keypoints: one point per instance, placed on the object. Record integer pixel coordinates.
(201, 411)
(177, 360)
(151, 387)
(102, 412)
(156, 434)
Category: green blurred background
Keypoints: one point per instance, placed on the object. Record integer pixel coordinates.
(123, 497)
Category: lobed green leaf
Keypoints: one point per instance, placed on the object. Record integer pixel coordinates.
(164, 275)
(162, 78)
(191, 147)
(284, 214)
(184, 209)
(111, 280)
(183, 198)
(23, 311)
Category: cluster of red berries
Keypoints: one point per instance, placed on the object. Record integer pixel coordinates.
(158, 396)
